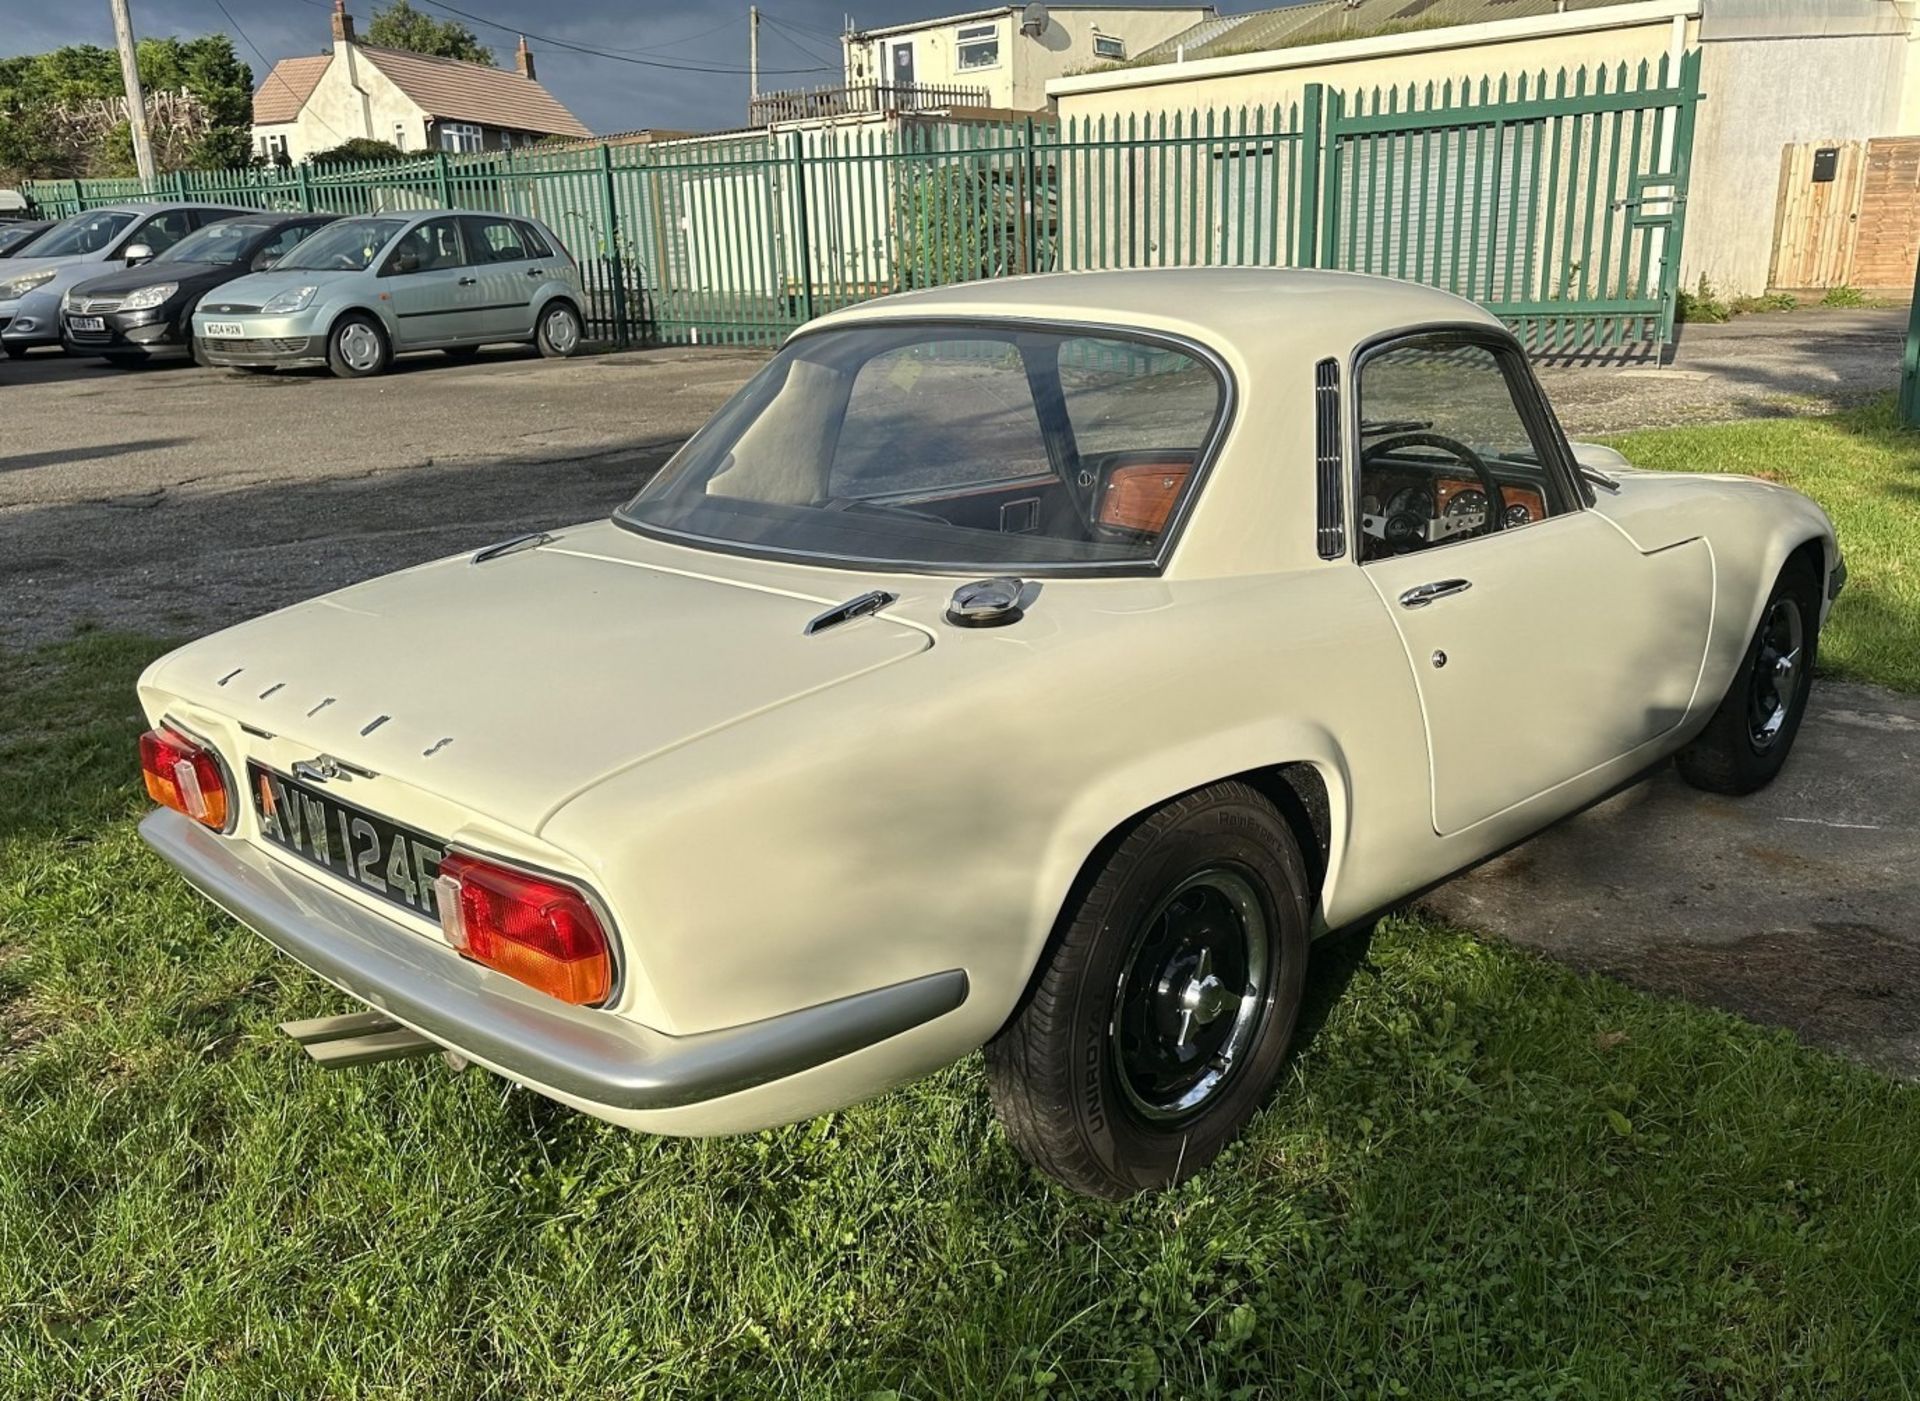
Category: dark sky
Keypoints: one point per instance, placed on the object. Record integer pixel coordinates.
(606, 94)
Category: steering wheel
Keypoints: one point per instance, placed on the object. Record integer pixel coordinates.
(1496, 502)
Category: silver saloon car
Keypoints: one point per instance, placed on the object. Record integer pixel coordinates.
(364, 290)
(81, 248)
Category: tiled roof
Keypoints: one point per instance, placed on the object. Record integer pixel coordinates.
(475, 92)
(287, 89)
(1329, 20)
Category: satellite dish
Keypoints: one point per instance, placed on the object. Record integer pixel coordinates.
(1033, 20)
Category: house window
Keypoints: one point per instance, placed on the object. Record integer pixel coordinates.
(273, 149)
(980, 46)
(400, 135)
(459, 136)
(1109, 46)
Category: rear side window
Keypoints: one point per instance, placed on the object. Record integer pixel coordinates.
(497, 240)
(537, 247)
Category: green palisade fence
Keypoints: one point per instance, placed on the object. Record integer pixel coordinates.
(1558, 201)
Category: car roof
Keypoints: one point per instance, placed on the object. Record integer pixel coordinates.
(1250, 315)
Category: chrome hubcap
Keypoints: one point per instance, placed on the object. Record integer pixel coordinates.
(360, 347)
(562, 334)
(1191, 995)
(1776, 672)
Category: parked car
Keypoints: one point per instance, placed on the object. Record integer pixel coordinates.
(16, 237)
(1038, 663)
(129, 234)
(143, 313)
(367, 289)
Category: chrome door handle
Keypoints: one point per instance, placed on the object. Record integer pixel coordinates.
(468, 281)
(1422, 595)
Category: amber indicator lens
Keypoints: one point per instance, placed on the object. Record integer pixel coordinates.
(536, 930)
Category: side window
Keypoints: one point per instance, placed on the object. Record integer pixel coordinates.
(1138, 413)
(283, 242)
(164, 229)
(1445, 451)
(426, 247)
(537, 247)
(496, 240)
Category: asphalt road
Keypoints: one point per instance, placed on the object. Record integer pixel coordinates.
(178, 500)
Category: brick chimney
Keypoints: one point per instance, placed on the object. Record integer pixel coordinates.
(523, 59)
(342, 23)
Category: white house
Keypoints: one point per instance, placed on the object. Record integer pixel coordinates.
(999, 58)
(417, 102)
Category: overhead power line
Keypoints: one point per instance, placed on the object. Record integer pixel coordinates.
(618, 57)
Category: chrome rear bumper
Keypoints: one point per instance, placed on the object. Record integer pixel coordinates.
(589, 1055)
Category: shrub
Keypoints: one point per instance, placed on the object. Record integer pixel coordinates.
(1844, 296)
(1702, 305)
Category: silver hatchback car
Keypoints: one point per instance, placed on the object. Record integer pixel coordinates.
(363, 290)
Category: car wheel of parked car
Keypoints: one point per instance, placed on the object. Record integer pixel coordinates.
(1165, 1009)
(16, 351)
(559, 334)
(358, 346)
(1749, 736)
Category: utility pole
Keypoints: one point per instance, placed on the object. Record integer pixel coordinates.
(753, 52)
(136, 99)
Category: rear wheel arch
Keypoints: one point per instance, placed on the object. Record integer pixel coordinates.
(1306, 796)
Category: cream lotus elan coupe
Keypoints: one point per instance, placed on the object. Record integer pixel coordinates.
(1039, 664)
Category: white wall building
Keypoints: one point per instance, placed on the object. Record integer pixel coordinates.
(1013, 50)
(418, 103)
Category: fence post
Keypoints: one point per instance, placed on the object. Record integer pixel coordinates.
(622, 332)
(802, 235)
(1327, 255)
(1910, 362)
(446, 183)
(1306, 211)
(79, 198)
(306, 188)
(1031, 239)
(1682, 173)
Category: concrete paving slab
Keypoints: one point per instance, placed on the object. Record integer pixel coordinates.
(1798, 906)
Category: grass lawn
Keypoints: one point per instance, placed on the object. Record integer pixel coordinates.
(1865, 470)
(1483, 1177)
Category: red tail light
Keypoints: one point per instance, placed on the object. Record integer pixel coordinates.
(185, 775)
(536, 930)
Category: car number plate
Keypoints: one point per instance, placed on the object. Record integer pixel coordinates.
(395, 862)
(227, 329)
(87, 323)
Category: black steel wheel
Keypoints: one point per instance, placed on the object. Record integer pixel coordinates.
(1747, 741)
(1163, 1009)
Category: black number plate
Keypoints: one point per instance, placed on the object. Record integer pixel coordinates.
(396, 863)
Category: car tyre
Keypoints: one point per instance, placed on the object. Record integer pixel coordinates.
(15, 352)
(1747, 741)
(560, 333)
(1164, 1010)
(357, 346)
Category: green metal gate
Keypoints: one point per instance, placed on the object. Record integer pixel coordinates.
(1559, 204)
(1562, 212)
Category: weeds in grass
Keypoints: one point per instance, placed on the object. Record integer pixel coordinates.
(1845, 296)
(1702, 305)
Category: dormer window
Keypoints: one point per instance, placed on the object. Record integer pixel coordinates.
(979, 46)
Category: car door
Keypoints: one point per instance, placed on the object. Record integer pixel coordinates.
(502, 261)
(429, 284)
(1542, 641)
